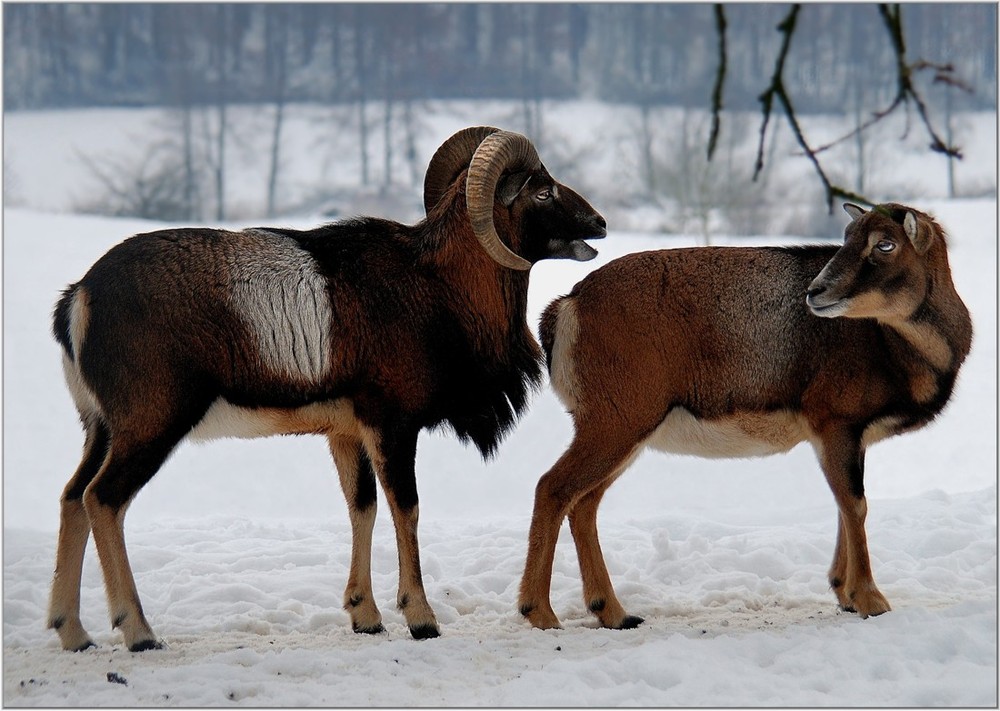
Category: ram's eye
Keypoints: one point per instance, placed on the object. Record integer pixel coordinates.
(543, 195)
(885, 246)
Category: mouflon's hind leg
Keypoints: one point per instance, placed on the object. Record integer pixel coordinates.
(357, 479)
(842, 458)
(74, 531)
(598, 592)
(590, 463)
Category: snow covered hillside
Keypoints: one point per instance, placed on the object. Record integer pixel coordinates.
(241, 549)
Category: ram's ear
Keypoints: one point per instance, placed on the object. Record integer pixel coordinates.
(853, 210)
(511, 185)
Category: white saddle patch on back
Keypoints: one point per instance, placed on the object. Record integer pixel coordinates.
(280, 294)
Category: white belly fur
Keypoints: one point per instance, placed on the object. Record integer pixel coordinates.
(740, 435)
(224, 419)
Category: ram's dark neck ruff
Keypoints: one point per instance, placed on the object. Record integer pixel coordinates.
(484, 406)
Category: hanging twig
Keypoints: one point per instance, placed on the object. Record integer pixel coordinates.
(787, 28)
(720, 76)
(777, 91)
(906, 92)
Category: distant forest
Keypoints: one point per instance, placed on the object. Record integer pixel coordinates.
(60, 55)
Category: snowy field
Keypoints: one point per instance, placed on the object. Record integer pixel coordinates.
(241, 549)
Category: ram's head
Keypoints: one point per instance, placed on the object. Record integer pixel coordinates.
(519, 213)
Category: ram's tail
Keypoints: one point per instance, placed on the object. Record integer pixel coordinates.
(66, 326)
(69, 325)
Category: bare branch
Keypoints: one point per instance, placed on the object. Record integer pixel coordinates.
(777, 91)
(787, 28)
(875, 118)
(906, 93)
(944, 74)
(892, 18)
(720, 76)
(109, 179)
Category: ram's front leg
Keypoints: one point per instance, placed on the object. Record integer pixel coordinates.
(393, 454)
(357, 479)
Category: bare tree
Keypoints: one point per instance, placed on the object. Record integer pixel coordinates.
(906, 94)
(221, 67)
(362, 73)
(172, 37)
(73, 54)
(277, 40)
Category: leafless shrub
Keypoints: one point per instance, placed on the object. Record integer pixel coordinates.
(150, 184)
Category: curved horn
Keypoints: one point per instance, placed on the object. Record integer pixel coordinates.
(499, 152)
(450, 160)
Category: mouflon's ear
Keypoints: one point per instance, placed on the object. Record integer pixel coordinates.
(853, 210)
(921, 235)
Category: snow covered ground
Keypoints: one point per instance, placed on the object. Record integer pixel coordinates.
(241, 549)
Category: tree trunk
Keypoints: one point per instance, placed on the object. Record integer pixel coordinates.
(272, 174)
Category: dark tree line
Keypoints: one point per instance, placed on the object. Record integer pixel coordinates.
(156, 54)
(374, 65)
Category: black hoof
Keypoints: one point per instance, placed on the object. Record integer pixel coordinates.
(425, 632)
(630, 622)
(377, 629)
(87, 645)
(145, 646)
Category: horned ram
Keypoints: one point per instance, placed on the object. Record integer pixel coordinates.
(364, 331)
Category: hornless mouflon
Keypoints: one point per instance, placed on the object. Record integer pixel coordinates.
(737, 352)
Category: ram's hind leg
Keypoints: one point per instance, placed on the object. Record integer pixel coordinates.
(140, 443)
(357, 479)
(74, 531)
(842, 459)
